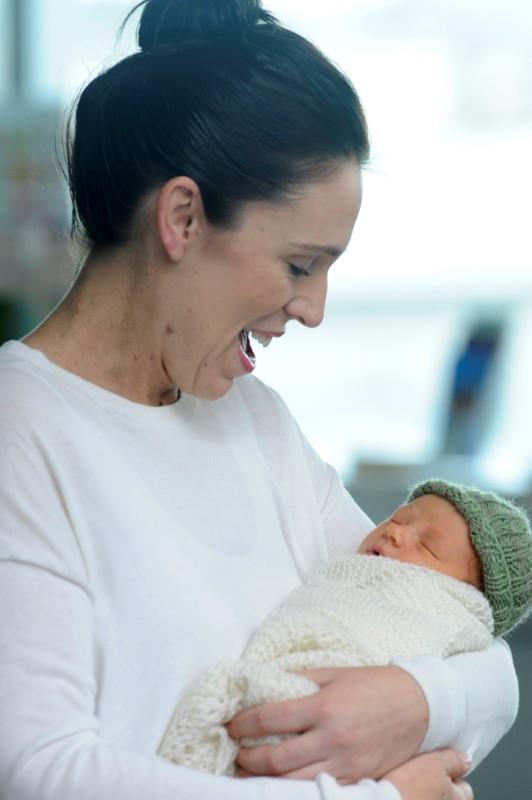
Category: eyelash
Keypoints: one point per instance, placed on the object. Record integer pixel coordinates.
(298, 272)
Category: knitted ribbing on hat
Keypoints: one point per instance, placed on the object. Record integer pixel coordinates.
(502, 537)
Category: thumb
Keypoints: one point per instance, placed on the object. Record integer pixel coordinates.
(323, 675)
(455, 763)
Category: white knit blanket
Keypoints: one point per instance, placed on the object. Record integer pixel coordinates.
(357, 610)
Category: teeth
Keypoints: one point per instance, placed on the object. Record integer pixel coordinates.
(262, 338)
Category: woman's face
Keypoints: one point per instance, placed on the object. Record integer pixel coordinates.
(255, 278)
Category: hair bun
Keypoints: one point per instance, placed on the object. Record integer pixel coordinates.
(170, 22)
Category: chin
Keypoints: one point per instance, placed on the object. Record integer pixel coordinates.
(213, 392)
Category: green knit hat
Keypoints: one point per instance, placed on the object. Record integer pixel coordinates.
(502, 537)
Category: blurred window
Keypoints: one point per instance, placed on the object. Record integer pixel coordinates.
(469, 408)
(76, 39)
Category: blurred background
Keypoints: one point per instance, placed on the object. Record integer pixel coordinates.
(423, 365)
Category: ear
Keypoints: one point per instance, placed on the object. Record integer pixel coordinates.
(180, 216)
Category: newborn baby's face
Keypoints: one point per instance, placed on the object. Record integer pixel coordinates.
(430, 532)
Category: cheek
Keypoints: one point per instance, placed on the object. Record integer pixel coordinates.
(269, 295)
(275, 300)
(369, 541)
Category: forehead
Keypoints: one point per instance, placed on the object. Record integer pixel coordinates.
(437, 518)
(322, 212)
(431, 507)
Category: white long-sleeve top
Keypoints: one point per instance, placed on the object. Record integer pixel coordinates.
(139, 545)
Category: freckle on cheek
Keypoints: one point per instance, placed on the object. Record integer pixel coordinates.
(170, 329)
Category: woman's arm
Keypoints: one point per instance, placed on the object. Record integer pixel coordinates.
(50, 741)
(433, 775)
(52, 671)
(363, 722)
(465, 712)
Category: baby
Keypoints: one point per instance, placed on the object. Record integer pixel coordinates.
(448, 570)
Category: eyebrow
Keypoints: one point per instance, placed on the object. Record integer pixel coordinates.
(329, 249)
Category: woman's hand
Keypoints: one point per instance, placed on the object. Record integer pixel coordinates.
(362, 723)
(433, 776)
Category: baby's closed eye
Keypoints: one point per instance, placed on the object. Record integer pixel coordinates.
(430, 550)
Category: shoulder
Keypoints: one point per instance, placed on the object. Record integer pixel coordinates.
(252, 389)
(262, 410)
(29, 397)
(262, 402)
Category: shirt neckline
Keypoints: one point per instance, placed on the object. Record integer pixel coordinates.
(184, 408)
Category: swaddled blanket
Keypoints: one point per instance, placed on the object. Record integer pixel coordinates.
(357, 610)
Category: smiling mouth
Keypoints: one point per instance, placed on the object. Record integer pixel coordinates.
(247, 356)
(263, 338)
(246, 351)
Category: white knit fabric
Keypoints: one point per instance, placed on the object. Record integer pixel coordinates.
(356, 610)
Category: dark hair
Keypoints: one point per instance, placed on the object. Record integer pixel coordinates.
(220, 92)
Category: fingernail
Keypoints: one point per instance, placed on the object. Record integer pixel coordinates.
(468, 758)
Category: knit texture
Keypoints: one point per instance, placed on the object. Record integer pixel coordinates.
(501, 535)
(357, 610)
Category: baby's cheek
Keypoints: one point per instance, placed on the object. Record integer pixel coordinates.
(366, 543)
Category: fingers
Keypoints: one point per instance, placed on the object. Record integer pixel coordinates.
(305, 774)
(241, 773)
(308, 773)
(464, 791)
(299, 753)
(454, 763)
(286, 716)
(323, 676)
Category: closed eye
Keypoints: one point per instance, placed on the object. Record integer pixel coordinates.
(298, 272)
(430, 551)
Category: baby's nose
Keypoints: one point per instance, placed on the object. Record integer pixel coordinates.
(398, 535)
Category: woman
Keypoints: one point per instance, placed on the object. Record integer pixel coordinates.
(157, 501)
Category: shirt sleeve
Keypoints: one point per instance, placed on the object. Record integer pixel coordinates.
(50, 742)
(345, 524)
(473, 698)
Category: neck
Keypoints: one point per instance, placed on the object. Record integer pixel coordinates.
(110, 330)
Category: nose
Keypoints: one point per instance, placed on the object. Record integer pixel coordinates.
(308, 303)
(398, 535)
